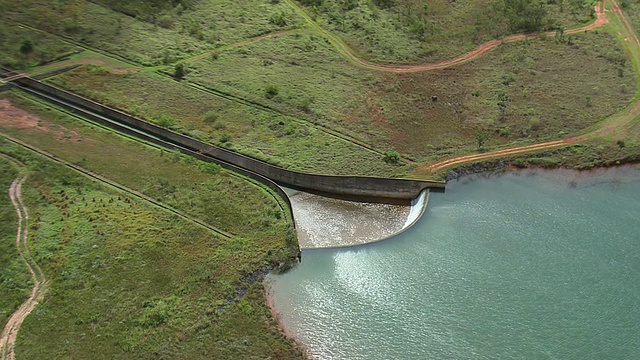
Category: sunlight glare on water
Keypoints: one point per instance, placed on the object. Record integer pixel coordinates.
(531, 265)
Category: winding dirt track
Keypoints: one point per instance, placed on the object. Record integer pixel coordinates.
(493, 154)
(40, 284)
(614, 124)
(344, 49)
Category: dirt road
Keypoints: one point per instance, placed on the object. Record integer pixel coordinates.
(614, 124)
(345, 50)
(40, 284)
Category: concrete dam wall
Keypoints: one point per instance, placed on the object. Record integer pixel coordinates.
(357, 188)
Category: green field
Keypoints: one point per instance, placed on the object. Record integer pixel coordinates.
(150, 38)
(267, 135)
(129, 279)
(15, 282)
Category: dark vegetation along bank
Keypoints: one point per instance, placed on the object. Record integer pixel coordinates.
(295, 84)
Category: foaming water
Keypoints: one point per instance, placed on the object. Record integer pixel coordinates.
(520, 265)
(324, 222)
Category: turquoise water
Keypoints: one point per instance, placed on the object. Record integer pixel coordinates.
(532, 265)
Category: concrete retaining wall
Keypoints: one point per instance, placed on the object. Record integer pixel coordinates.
(359, 188)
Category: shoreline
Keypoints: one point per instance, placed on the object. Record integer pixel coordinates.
(281, 327)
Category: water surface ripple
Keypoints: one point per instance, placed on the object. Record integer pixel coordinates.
(532, 265)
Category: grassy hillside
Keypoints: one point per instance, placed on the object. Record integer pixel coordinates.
(412, 31)
(527, 91)
(21, 47)
(157, 32)
(252, 130)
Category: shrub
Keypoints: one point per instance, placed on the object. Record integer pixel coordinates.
(165, 120)
(391, 157)
(165, 21)
(210, 168)
(211, 116)
(271, 91)
(26, 47)
(279, 18)
(179, 71)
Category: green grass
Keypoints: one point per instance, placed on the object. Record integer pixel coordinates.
(43, 48)
(407, 32)
(547, 88)
(312, 80)
(530, 91)
(266, 135)
(168, 177)
(151, 39)
(129, 280)
(15, 281)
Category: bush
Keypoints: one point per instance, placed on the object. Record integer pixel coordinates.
(279, 18)
(271, 91)
(525, 15)
(179, 71)
(26, 47)
(210, 168)
(165, 21)
(391, 157)
(165, 120)
(210, 116)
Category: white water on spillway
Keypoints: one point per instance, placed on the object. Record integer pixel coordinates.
(324, 222)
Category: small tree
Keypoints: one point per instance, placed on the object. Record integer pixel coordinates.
(271, 91)
(481, 137)
(391, 157)
(179, 71)
(26, 47)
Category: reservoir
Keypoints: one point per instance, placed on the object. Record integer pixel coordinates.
(526, 264)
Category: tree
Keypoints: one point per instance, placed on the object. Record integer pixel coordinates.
(179, 71)
(391, 157)
(525, 15)
(481, 137)
(26, 47)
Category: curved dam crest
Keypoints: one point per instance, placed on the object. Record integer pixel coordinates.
(324, 222)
